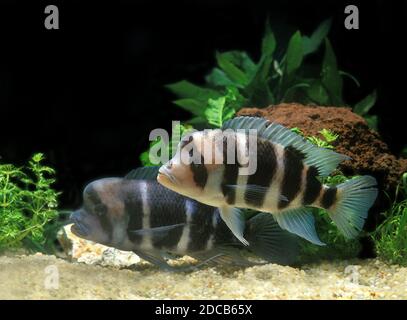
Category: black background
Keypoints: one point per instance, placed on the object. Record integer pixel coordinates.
(88, 95)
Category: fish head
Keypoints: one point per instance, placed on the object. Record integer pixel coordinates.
(87, 225)
(102, 217)
(189, 171)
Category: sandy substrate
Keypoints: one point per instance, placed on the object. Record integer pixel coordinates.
(36, 277)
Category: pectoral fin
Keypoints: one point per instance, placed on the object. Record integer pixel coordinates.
(299, 221)
(235, 221)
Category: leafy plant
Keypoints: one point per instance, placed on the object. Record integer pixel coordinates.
(362, 108)
(27, 204)
(271, 79)
(237, 81)
(328, 138)
(391, 236)
(223, 108)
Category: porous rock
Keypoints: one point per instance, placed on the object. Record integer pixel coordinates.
(89, 252)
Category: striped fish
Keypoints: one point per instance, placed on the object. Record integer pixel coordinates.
(137, 214)
(284, 183)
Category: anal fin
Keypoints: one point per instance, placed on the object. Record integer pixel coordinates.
(299, 221)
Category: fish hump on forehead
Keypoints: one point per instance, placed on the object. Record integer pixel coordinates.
(324, 160)
(107, 195)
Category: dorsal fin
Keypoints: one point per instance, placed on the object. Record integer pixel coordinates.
(143, 173)
(324, 160)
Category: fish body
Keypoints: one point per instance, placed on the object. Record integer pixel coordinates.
(284, 182)
(142, 216)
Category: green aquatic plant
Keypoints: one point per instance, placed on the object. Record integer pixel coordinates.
(28, 204)
(272, 79)
(363, 107)
(328, 137)
(223, 108)
(281, 74)
(391, 236)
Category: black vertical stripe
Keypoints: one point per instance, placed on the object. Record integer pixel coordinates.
(266, 168)
(329, 197)
(231, 171)
(166, 208)
(133, 206)
(94, 204)
(291, 183)
(312, 186)
(201, 226)
(199, 171)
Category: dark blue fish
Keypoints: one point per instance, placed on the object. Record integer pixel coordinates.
(137, 214)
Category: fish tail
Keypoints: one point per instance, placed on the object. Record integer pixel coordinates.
(348, 203)
(271, 243)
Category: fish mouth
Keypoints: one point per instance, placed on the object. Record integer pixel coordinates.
(79, 227)
(163, 171)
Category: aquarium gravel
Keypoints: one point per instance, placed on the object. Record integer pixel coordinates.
(24, 276)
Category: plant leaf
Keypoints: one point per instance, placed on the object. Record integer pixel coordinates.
(237, 66)
(331, 78)
(258, 90)
(197, 121)
(223, 108)
(192, 105)
(372, 121)
(346, 74)
(269, 43)
(312, 43)
(317, 93)
(186, 89)
(214, 111)
(291, 93)
(363, 106)
(218, 78)
(294, 54)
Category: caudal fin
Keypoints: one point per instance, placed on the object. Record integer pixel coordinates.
(353, 201)
(271, 243)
